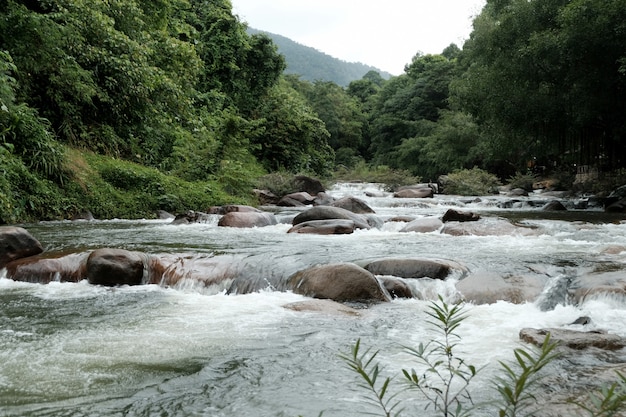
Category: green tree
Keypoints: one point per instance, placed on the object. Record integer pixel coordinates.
(293, 137)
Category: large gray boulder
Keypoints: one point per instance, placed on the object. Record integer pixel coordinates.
(414, 267)
(328, 213)
(425, 192)
(423, 225)
(325, 227)
(247, 219)
(353, 204)
(339, 282)
(112, 267)
(17, 243)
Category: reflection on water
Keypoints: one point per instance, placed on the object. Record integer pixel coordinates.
(78, 350)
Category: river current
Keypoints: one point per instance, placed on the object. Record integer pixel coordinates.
(74, 349)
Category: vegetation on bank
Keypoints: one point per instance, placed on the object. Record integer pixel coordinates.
(175, 95)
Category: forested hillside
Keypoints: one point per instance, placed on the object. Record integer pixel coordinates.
(128, 106)
(313, 65)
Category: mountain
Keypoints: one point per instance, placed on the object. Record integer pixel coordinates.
(313, 65)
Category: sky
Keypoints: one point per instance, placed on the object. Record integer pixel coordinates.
(384, 34)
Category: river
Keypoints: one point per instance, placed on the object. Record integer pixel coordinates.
(74, 349)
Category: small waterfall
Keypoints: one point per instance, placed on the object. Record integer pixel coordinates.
(554, 293)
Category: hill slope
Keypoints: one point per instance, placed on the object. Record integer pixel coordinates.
(313, 65)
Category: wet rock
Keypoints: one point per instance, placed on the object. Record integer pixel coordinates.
(595, 284)
(289, 202)
(164, 215)
(554, 206)
(485, 227)
(70, 268)
(324, 227)
(396, 287)
(323, 199)
(247, 219)
(615, 206)
(353, 204)
(17, 243)
(401, 219)
(459, 216)
(323, 306)
(233, 208)
(111, 267)
(83, 215)
(266, 197)
(190, 217)
(414, 267)
(181, 270)
(426, 192)
(301, 197)
(423, 225)
(574, 339)
(327, 213)
(312, 186)
(517, 192)
(486, 287)
(583, 321)
(340, 282)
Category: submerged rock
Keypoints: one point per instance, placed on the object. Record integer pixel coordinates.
(247, 219)
(353, 204)
(574, 339)
(425, 192)
(323, 306)
(325, 227)
(414, 267)
(70, 268)
(423, 225)
(17, 243)
(327, 213)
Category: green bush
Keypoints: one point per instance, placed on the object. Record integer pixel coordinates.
(468, 182)
(523, 180)
(362, 172)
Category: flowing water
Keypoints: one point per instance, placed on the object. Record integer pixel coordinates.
(73, 349)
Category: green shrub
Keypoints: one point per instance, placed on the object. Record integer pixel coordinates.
(468, 182)
(523, 180)
(362, 172)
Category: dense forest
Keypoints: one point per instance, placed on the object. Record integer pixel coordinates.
(313, 65)
(127, 106)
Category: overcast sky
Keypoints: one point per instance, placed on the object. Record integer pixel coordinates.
(385, 34)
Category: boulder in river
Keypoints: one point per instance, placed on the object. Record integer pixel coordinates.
(16, 243)
(111, 267)
(487, 287)
(574, 339)
(247, 219)
(344, 282)
(423, 225)
(396, 287)
(326, 213)
(485, 227)
(325, 227)
(69, 268)
(425, 192)
(353, 204)
(459, 216)
(414, 267)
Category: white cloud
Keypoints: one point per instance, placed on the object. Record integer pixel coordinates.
(384, 34)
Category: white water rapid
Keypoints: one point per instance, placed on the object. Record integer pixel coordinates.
(74, 349)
